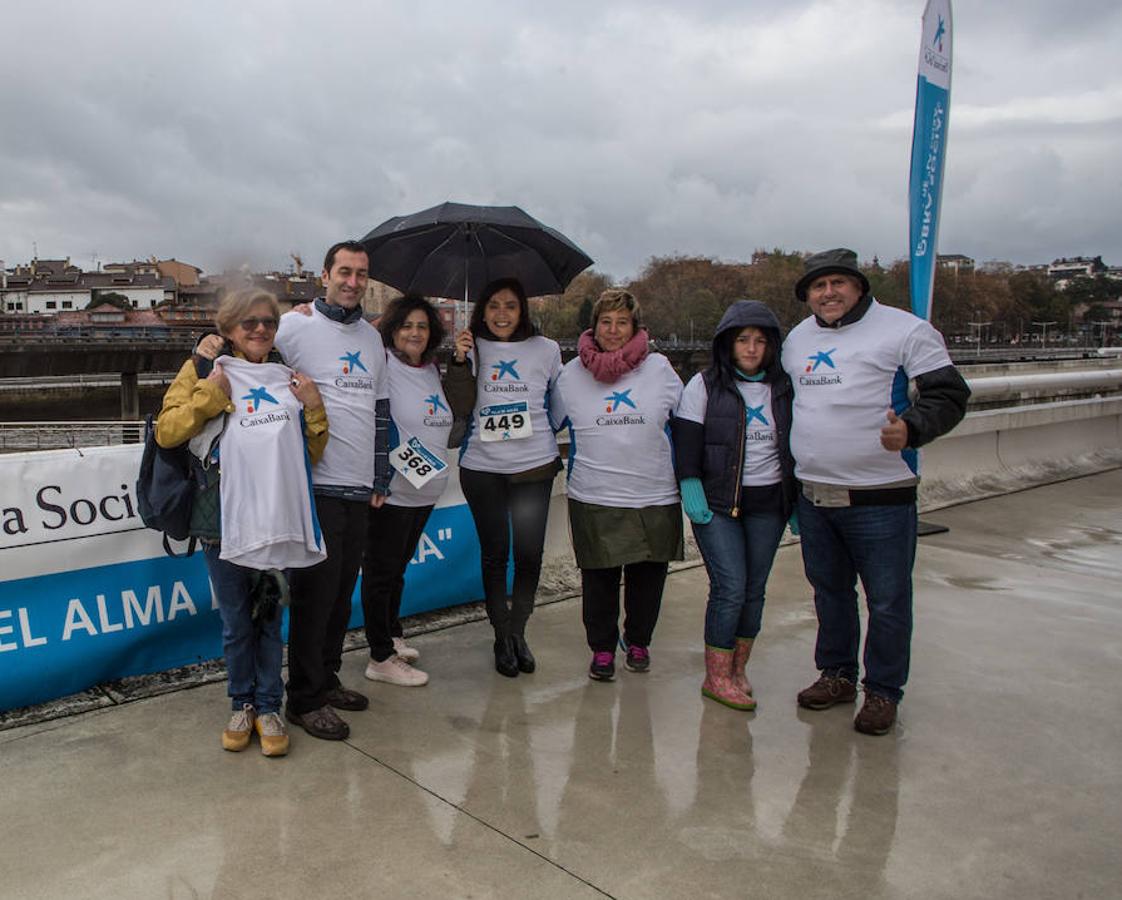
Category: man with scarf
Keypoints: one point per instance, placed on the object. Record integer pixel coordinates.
(344, 353)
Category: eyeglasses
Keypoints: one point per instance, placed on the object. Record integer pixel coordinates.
(252, 324)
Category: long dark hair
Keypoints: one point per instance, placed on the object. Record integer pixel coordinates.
(524, 329)
(398, 311)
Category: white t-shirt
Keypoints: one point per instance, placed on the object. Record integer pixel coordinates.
(513, 379)
(845, 380)
(620, 449)
(419, 410)
(268, 517)
(348, 364)
(761, 450)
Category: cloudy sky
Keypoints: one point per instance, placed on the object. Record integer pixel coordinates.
(228, 134)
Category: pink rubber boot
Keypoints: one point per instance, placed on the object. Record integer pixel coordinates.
(740, 656)
(718, 684)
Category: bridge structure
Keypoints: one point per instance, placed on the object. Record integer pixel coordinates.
(71, 363)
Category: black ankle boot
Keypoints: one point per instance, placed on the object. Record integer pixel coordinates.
(522, 653)
(505, 661)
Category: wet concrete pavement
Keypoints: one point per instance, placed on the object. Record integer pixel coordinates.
(1003, 778)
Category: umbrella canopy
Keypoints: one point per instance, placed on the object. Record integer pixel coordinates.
(453, 250)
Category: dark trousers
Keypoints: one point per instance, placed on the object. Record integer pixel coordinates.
(878, 545)
(642, 598)
(391, 539)
(321, 604)
(502, 507)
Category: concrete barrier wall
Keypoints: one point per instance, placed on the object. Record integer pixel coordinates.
(990, 452)
(1001, 450)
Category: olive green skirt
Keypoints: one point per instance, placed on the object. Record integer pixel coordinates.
(609, 536)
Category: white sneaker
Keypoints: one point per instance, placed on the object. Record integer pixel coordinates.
(395, 670)
(402, 649)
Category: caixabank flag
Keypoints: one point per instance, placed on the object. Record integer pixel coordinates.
(929, 149)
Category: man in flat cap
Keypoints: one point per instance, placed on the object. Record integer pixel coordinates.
(854, 438)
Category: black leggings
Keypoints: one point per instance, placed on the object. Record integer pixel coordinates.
(642, 598)
(501, 507)
(391, 539)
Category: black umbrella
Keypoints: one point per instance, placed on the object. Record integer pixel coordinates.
(453, 250)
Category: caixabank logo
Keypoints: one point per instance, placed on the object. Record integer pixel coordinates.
(821, 368)
(257, 415)
(433, 406)
(504, 379)
(620, 400)
(933, 53)
(352, 362)
(758, 434)
(256, 397)
(504, 368)
(352, 366)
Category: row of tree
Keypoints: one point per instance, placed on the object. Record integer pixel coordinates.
(683, 297)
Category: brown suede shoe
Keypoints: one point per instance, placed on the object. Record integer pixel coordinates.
(341, 698)
(877, 716)
(321, 723)
(827, 691)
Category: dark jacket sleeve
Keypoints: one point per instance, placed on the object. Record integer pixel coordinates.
(459, 388)
(940, 406)
(689, 447)
(382, 471)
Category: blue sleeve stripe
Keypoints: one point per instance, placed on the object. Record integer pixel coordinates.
(900, 403)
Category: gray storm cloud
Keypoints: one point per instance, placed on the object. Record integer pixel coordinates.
(226, 134)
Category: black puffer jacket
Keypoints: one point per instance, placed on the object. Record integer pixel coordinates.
(714, 450)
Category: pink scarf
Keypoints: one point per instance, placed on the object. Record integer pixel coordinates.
(611, 367)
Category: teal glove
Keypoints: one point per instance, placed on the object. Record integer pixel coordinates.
(694, 502)
(793, 522)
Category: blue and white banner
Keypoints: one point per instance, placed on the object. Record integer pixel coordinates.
(929, 149)
(88, 595)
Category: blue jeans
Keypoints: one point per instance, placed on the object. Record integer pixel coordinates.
(738, 554)
(878, 545)
(252, 650)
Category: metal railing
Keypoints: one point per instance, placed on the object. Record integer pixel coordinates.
(1082, 382)
(102, 334)
(22, 436)
(48, 382)
(987, 391)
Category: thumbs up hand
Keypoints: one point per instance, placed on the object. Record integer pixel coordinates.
(894, 435)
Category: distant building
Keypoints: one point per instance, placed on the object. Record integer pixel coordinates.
(956, 262)
(1064, 270)
(55, 285)
(289, 288)
(185, 274)
(376, 297)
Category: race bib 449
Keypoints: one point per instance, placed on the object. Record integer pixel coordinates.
(505, 422)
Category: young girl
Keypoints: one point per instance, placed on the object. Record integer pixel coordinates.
(732, 451)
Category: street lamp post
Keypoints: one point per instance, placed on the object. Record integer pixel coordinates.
(1043, 333)
(978, 336)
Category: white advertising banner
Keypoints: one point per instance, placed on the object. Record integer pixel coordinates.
(88, 595)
